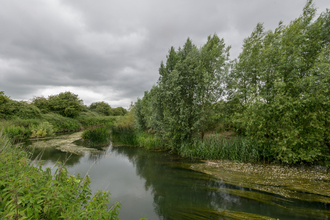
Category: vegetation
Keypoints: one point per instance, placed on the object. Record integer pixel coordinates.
(43, 117)
(97, 136)
(37, 194)
(275, 96)
(101, 107)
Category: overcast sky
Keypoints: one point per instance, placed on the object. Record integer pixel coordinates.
(110, 50)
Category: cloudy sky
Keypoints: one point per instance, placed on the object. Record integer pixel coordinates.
(110, 50)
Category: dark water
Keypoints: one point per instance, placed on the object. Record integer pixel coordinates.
(157, 185)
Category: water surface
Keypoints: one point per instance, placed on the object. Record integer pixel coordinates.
(159, 185)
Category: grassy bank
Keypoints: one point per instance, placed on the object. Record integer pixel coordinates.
(20, 129)
(213, 147)
(29, 192)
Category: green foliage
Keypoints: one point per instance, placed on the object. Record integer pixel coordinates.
(236, 149)
(38, 194)
(61, 123)
(66, 104)
(42, 103)
(119, 111)
(42, 130)
(97, 136)
(281, 80)
(92, 121)
(124, 135)
(15, 132)
(180, 105)
(11, 109)
(101, 107)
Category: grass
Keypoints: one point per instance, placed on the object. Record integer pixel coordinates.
(91, 121)
(236, 148)
(97, 136)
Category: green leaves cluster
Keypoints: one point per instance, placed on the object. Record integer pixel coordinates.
(101, 107)
(280, 83)
(28, 192)
(177, 107)
(66, 104)
(275, 92)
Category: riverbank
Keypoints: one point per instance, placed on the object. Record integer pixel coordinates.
(37, 194)
(296, 182)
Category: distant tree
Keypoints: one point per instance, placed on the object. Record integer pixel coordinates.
(66, 104)
(119, 111)
(101, 107)
(42, 103)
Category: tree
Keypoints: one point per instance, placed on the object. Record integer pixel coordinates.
(101, 107)
(119, 111)
(177, 107)
(42, 103)
(67, 104)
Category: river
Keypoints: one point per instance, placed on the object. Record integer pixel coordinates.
(159, 185)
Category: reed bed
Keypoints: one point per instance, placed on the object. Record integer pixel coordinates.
(236, 149)
(97, 136)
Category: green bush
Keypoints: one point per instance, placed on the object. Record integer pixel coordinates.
(66, 104)
(101, 107)
(15, 132)
(42, 130)
(42, 103)
(38, 194)
(60, 123)
(97, 136)
(92, 121)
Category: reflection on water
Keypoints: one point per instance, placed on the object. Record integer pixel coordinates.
(159, 185)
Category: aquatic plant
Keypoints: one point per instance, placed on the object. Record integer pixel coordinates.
(236, 148)
(97, 136)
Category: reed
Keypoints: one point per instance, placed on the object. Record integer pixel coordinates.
(236, 149)
(97, 136)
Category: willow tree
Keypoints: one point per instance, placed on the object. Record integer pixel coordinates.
(177, 108)
(288, 109)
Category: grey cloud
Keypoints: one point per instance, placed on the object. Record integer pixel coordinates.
(112, 50)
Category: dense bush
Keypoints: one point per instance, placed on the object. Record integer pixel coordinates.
(61, 123)
(101, 107)
(37, 194)
(42, 103)
(66, 104)
(42, 130)
(90, 121)
(119, 111)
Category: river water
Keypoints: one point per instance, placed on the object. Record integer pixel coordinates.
(159, 185)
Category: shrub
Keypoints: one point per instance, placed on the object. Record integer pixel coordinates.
(37, 194)
(101, 107)
(42, 130)
(42, 103)
(61, 123)
(66, 104)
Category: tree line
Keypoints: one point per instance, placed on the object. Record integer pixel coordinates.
(66, 104)
(276, 92)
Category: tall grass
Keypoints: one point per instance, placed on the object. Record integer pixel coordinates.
(92, 121)
(124, 135)
(236, 148)
(97, 136)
